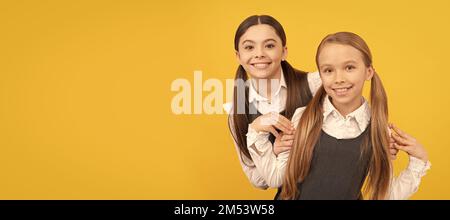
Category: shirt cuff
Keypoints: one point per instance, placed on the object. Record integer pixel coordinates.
(256, 138)
(418, 166)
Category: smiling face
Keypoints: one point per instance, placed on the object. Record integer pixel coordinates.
(260, 52)
(343, 73)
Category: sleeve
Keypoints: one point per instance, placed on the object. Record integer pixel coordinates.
(314, 82)
(270, 166)
(407, 183)
(247, 164)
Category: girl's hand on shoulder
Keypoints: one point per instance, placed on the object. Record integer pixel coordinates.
(392, 150)
(409, 144)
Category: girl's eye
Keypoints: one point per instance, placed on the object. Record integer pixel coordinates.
(270, 45)
(248, 47)
(327, 70)
(349, 68)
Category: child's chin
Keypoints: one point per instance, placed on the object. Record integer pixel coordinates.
(341, 100)
(260, 74)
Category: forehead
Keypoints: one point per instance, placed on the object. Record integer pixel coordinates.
(259, 33)
(334, 54)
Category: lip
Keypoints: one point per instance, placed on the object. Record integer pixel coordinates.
(343, 87)
(342, 91)
(268, 62)
(260, 65)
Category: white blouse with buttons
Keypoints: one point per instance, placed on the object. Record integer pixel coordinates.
(272, 168)
(263, 105)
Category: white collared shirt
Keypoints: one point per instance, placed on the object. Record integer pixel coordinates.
(278, 102)
(263, 105)
(272, 168)
(345, 127)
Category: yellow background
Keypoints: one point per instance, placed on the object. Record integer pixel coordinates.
(85, 91)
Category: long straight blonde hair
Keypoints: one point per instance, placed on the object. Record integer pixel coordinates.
(310, 126)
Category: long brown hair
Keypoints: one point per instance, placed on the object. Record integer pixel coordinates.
(310, 126)
(298, 93)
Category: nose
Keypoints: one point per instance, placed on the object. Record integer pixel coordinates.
(259, 52)
(340, 77)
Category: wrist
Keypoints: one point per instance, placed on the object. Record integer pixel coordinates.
(254, 127)
(423, 158)
(251, 126)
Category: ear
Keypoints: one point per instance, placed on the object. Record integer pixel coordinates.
(285, 53)
(369, 73)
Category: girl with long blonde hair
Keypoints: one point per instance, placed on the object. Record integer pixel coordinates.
(341, 142)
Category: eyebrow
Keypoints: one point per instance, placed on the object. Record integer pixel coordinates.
(346, 62)
(250, 41)
(324, 65)
(350, 61)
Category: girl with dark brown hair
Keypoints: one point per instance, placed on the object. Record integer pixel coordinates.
(267, 90)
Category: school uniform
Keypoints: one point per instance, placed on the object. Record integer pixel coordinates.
(339, 165)
(261, 105)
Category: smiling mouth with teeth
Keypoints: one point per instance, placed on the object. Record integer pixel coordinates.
(344, 89)
(260, 65)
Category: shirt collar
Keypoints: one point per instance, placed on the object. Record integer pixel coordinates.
(361, 114)
(254, 95)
